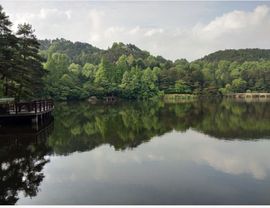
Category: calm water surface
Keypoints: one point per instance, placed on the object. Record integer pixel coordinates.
(140, 153)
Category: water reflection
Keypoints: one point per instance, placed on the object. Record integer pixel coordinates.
(22, 158)
(206, 152)
(176, 168)
(81, 126)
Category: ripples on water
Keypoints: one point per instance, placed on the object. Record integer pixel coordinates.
(140, 153)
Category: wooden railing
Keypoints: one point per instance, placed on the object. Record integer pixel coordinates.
(32, 107)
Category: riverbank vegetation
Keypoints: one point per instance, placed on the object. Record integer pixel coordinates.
(65, 70)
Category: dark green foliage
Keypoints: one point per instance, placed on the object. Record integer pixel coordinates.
(30, 64)
(21, 68)
(7, 52)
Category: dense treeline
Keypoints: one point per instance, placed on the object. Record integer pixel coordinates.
(122, 70)
(127, 71)
(80, 70)
(21, 68)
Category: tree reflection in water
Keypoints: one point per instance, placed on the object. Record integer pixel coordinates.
(81, 126)
(22, 158)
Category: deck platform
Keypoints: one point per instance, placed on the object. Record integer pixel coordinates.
(35, 110)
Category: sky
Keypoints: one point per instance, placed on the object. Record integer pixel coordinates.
(172, 29)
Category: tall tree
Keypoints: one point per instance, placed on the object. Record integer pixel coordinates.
(7, 52)
(31, 68)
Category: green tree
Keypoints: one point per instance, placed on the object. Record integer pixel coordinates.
(8, 43)
(75, 69)
(57, 65)
(101, 77)
(121, 67)
(89, 71)
(182, 87)
(239, 85)
(30, 83)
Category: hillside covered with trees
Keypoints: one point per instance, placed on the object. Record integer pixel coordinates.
(80, 70)
(240, 55)
(65, 70)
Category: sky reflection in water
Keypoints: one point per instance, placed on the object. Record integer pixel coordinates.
(189, 153)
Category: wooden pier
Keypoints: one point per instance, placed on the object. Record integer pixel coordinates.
(36, 110)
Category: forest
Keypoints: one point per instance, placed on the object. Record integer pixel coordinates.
(65, 70)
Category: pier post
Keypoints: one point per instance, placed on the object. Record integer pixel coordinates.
(41, 119)
(35, 122)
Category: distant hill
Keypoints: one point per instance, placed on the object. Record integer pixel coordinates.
(119, 49)
(81, 53)
(78, 52)
(131, 73)
(239, 55)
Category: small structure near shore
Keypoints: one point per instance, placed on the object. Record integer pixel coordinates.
(109, 99)
(36, 111)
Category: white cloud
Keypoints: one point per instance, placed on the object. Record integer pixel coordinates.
(95, 21)
(237, 21)
(43, 21)
(103, 26)
(152, 32)
(237, 29)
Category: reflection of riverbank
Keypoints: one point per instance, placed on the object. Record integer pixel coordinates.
(80, 126)
(179, 98)
(249, 97)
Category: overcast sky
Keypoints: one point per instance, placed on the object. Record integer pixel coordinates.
(171, 29)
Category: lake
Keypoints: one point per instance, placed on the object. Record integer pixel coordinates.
(202, 152)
